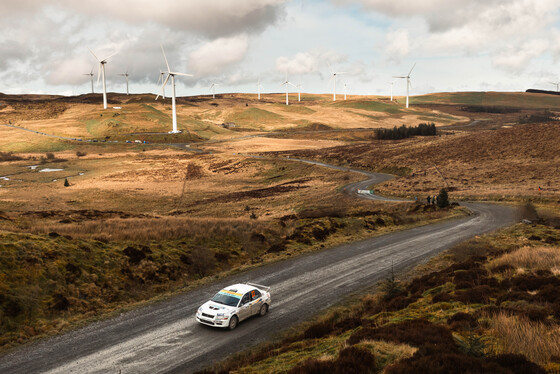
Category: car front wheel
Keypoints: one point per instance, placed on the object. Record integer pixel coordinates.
(233, 321)
(264, 310)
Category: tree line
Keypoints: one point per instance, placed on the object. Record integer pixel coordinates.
(403, 132)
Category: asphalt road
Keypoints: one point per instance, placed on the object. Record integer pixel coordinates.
(164, 337)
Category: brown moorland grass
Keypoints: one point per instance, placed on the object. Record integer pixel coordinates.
(164, 181)
(530, 258)
(537, 341)
(505, 164)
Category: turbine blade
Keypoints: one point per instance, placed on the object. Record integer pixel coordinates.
(106, 58)
(94, 55)
(183, 74)
(330, 67)
(165, 57)
(98, 73)
(290, 83)
(163, 85)
(399, 77)
(411, 69)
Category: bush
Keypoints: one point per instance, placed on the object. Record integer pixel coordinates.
(66, 183)
(415, 332)
(351, 360)
(444, 363)
(9, 156)
(443, 198)
(80, 153)
(318, 330)
(518, 364)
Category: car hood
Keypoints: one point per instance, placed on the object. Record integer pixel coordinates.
(211, 307)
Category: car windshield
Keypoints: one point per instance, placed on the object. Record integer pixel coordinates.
(227, 298)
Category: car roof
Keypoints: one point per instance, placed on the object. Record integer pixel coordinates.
(240, 288)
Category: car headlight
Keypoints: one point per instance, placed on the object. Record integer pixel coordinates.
(222, 316)
(199, 310)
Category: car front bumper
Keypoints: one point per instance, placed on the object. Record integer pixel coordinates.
(212, 321)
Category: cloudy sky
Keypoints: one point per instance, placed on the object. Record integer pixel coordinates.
(457, 45)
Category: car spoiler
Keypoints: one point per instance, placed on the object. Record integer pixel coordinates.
(267, 289)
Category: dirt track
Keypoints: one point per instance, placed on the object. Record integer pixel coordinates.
(164, 337)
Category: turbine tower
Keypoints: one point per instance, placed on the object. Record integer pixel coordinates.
(333, 79)
(557, 84)
(91, 78)
(392, 83)
(126, 76)
(172, 74)
(407, 77)
(259, 86)
(212, 87)
(102, 70)
(160, 80)
(298, 91)
(344, 90)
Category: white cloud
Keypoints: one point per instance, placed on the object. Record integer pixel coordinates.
(515, 60)
(217, 55)
(211, 18)
(397, 45)
(309, 62)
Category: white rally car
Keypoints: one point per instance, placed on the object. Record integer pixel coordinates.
(233, 304)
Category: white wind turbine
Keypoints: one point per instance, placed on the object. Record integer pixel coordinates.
(557, 84)
(172, 74)
(407, 77)
(102, 70)
(344, 90)
(160, 80)
(126, 76)
(287, 83)
(212, 87)
(259, 86)
(392, 83)
(333, 79)
(91, 78)
(298, 86)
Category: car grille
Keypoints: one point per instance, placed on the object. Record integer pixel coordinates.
(207, 315)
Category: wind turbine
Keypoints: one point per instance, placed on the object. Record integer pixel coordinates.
(557, 84)
(91, 77)
(344, 90)
(299, 91)
(259, 86)
(102, 69)
(407, 77)
(160, 80)
(172, 74)
(287, 83)
(125, 75)
(212, 88)
(333, 79)
(392, 83)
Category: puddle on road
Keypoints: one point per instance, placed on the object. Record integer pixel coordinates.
(49, 170)
(33, 167)
(4, 179)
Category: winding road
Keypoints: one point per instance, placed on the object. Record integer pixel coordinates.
(164, 337)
